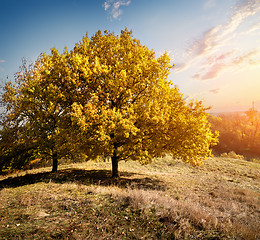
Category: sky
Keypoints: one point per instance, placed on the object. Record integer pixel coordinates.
(214, 44)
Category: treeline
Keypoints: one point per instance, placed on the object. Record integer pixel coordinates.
(238, 132)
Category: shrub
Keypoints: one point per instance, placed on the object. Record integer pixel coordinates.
(232, 154)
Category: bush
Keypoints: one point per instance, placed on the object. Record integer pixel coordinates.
(232, 154)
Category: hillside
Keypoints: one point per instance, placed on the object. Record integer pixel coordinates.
(165, 200)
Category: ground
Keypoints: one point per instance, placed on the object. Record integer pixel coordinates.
(167, 199)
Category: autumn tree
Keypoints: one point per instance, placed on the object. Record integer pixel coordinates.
(13, 154)
(36, 115)
(109, 96)
(129, 109)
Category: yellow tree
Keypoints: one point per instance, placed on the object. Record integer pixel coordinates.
(128, 109)
(37, 112)
(109, 96)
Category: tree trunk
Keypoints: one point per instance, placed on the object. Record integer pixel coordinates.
(54, 162)
(114, 165)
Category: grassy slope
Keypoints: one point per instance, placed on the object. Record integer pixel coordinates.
(165, 200)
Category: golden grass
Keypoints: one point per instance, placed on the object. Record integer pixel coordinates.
(164, 200)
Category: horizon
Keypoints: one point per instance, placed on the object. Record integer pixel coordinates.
(213, 44)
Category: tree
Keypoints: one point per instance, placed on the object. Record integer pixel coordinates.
(238, 132)
(232, 130)
(129, 110)
(37, 113)
(13, 154)
(109, 96)
(254, 124)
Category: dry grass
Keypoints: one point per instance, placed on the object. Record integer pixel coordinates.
(165, 200)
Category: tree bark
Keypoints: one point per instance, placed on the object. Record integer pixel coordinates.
(114, 165)
(54, 162)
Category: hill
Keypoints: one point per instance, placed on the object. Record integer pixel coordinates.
(164, 200)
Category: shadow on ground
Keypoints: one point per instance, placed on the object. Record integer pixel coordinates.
(86, 177)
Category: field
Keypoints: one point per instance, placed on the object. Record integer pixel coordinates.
(167, 199)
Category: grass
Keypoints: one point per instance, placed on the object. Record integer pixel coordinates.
(164, 200)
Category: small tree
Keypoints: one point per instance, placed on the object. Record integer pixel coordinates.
(254, 127)
(37, 113)
(13, 153)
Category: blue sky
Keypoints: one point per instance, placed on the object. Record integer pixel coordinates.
(215, 44)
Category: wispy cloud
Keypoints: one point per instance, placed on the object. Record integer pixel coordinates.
(211, 73)
(243, 10)
(113, 7)
(224, 56)
(179, 67)
(209, 50)
(249, 57)
(1, 61)
(206, 43)
(226, 61)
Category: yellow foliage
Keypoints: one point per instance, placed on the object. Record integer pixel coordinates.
(134, 109)
(109, 96)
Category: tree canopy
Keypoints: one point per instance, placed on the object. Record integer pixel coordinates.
(109, 96)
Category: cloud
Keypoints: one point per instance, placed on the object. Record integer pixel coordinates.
(206, 43)
(243, 10)
(252, 29)
(106, 6)
(226, 61)
(209, 4)
(1, 61)
(209, 51)
(215, 91)
(196, 76)
(211, 40)
(248, 57)
(179, 67)
(113, 7)
(213, 72)
(225, 55)
(214, 65)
